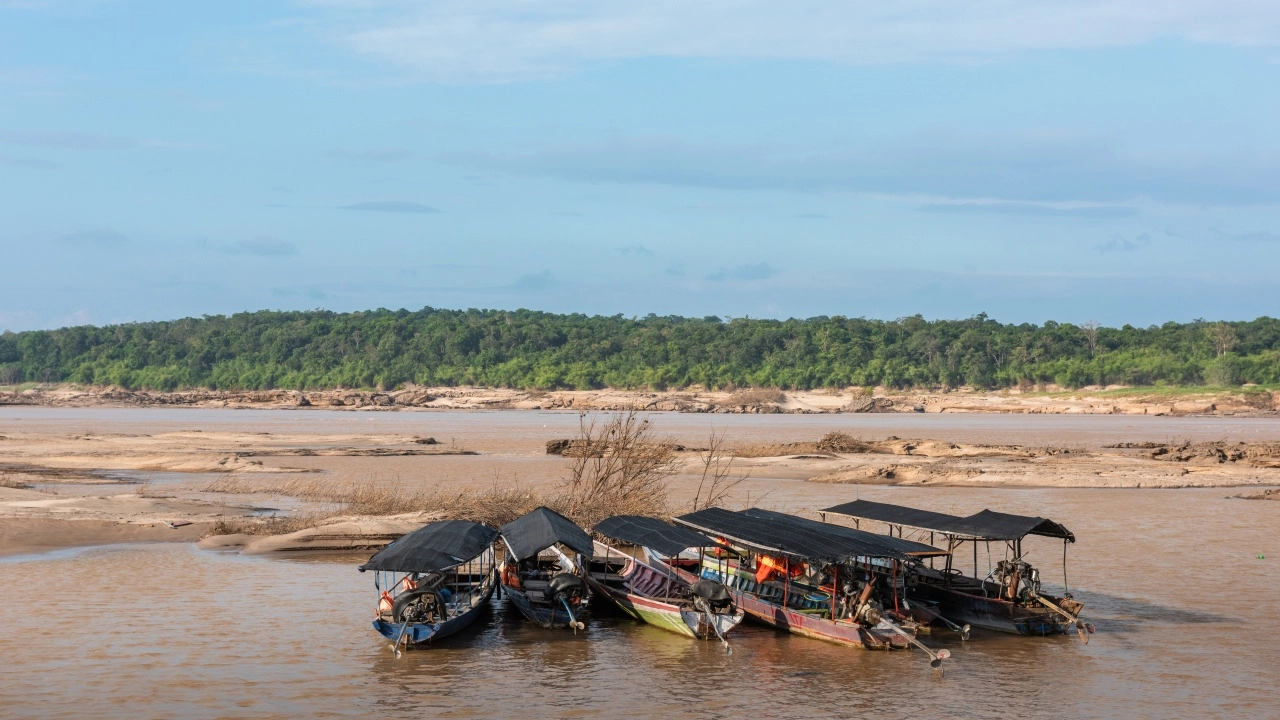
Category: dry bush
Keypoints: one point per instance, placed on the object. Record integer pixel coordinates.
(718, 478)
(623, 471)
(838, 442)
(833, 442)
(278, 525)
(13, 482)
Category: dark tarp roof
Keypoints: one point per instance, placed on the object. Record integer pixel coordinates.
(902, 545)
(437, 546)
(652, 533)
(993, 525)
(986, 525)
(895, 514)
(774, 533)
(530, 534)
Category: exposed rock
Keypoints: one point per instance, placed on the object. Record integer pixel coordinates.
(870, 405)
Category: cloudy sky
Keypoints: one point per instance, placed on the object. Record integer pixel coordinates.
(1116, 160)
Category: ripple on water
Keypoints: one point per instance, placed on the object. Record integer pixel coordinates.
(162, 630)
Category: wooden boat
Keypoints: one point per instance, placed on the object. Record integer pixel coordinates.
(541, 580)
(795, 574)
(433, 581)
(1009, 598)
(653, 592)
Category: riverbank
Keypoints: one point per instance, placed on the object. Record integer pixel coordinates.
(72, 477)
(1227, 402)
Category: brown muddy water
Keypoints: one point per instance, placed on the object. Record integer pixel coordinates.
(1186, 611)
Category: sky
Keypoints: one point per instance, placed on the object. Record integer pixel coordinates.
(1115, 161)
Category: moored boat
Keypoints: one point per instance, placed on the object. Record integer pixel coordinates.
(543, 581)
(433, 581)
(801, 576)
(653, 591)
(1010, 597)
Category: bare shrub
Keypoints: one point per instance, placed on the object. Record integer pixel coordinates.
(839, 442)
(623, 469)
(278, 525)
(718, 478)
(13, 482)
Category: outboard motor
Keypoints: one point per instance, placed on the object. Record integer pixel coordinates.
(1017, 580)
(566, 585)
(568, 590)
(424, 605)
(714, 595)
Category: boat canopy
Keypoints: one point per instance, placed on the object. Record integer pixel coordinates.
(530, 534)
(670, 540)
(790, 536)
(902, 545)
(433, 547)
(986, 525)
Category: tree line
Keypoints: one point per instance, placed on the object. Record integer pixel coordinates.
(527, 349)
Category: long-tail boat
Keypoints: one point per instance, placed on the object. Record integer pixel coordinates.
(545, 583)
(804, 577)
(433, 581)
(1009, 598)
(654, 592)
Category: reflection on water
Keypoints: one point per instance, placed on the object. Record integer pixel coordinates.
(167, 630)
(1186, 612)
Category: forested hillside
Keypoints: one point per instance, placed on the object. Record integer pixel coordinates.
(526, 349)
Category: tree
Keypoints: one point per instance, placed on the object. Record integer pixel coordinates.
(1091, 336)
(717, 478)
(1223, 337)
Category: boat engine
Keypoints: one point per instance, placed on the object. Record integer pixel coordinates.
(711, 597)
(1018, 580)
(566, 585)
(856, 604)
(424, 606)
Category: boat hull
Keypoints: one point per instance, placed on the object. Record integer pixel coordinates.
(670, 617)
(544, 615)
(996, 614)
(842, 632)
(423, 633)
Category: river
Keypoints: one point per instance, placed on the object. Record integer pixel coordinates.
(1182, 585)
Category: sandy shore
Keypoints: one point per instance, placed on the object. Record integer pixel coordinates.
(69, 478)
(1094, 401)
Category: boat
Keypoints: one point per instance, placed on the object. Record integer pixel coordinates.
(805, 577)
(650, 590)
(433, 581)
(1009, 598)
(546, 584)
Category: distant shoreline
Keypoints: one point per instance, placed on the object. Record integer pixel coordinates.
(1180, 401)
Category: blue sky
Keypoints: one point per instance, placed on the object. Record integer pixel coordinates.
(1115, 161)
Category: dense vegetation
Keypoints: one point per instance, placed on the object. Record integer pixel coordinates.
(527, 349)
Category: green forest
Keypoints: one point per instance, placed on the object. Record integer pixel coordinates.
(527, 349)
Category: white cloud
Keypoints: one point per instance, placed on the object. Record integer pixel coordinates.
(1020, 167)
(497, 40)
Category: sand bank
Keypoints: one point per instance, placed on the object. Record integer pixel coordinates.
(114, 475)
(1097, 401)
